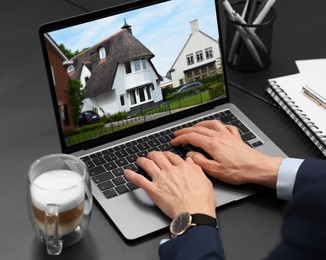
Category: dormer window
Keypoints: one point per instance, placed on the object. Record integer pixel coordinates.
(70, 69)
(102, 53)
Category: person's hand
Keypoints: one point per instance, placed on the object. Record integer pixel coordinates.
(177, 185)
(232, 161)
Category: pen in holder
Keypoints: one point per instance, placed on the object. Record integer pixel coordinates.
(249, 40)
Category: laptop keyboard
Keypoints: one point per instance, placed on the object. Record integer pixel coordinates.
(106, 167)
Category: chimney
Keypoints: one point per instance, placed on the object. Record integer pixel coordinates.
(127, 27)
(194, 26)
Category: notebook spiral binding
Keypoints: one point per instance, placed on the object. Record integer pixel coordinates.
(301, 119)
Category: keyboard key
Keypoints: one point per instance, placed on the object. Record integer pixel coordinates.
(131, 166)
(143, 146)
(110, 166)
(153, 143)
(121, 162)
(248, 136)
(132, 150)
(110, 157)
(85, 158)
(227, 112)
(243, 129)
(110, 193)
(131, 143)
(96, 170)
(153, 136)
(119, 147)
(103, 177)
(119, 180)
(219, 114)
(107, 151)
(121, 153)
(89, 164)
(118, 172)
(228, 118)
(142, 154)
(106, 185)
(165, 132)
(99, 161)
(121, 189)
(132, 186)
(165, 147)
(143, 139)
(132, 158)
(95, 155)
(256, 144)
(164, 139)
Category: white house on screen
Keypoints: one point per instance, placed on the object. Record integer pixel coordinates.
(117, 74)
(197, 59)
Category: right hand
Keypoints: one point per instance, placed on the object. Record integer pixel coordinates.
(232, 161)
(177, 185)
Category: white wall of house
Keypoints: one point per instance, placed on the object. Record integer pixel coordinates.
(197, 42)
(85, 74)
(122, 86)
(107, 102)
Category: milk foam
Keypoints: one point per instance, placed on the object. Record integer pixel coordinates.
(62, 187)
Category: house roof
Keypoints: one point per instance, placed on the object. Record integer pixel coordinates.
(184, 46)
(120, 47)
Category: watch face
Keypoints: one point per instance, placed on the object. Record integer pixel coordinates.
(180, 224)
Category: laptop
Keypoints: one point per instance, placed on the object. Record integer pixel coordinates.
(123, 80)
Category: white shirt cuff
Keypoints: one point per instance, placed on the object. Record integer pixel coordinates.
(286, 177)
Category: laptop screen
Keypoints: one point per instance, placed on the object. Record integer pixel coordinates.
(133, 66)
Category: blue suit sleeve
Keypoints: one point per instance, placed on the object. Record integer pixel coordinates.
(311, 172)
(303, 232)
(200, 242)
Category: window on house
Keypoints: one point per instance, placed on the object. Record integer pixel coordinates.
(122, 100)
(144, 64)
(209, 53)
(70, 68)
(190, 59)
(128, 67)
(199, 56)
(141, 93)
(102, 53)
(148, 90)
(133, 99)
(137, 65)
(86, 79)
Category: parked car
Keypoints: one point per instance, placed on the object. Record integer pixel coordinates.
(190, 86)
(88, 117)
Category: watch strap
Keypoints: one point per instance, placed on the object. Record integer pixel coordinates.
(202, 219)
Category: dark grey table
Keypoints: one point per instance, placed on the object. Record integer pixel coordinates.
(249, 228)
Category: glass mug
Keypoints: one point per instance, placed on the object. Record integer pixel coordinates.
(59, 200)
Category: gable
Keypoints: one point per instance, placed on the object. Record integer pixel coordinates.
(121, 47)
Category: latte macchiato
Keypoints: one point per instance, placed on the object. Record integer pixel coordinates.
(63, 188)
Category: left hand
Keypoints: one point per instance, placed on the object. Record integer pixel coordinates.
(177, 185)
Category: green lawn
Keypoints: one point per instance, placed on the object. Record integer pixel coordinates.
(176, 104)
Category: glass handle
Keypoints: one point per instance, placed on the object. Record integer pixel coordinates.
(52, 238)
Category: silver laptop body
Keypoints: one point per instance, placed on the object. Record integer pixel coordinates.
(118, 56)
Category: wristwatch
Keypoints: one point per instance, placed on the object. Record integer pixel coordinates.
(182, 222)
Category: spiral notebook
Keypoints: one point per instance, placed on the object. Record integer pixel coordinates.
(309, 116)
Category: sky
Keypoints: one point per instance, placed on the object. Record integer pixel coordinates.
(163, 29)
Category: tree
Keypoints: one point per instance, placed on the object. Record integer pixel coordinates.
(65, 51)
(68, 53)
(76, 97)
